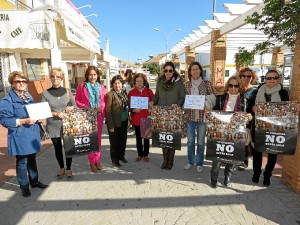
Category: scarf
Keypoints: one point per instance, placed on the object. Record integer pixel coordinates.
(94, 94)
(232, 102)
(124, 112)
(195, 86)
(167, 85)
(24, 95)
(266, 94)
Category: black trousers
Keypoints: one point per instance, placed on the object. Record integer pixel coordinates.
(59, 154)
(257, 163)
(118, 140)
(215, 169)
(143, 150)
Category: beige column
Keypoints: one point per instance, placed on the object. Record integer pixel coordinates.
(277, 58)
(189, 56)
(218, 61)
(291, 164)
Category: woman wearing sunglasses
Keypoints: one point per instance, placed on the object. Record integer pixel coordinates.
(248, 77)
(270, 91)
(231, 101)
(170, 91)
(23, 133)
(59, 99)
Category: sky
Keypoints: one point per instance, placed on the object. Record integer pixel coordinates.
(129, 24)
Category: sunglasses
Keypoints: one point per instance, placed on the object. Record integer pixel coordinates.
(57, 77)
(233, 85)
(20, 81)
(244, 76)
(170, 71)
(272, 78)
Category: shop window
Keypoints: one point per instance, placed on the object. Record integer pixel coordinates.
(33, 69)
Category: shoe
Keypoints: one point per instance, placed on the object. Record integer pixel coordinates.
(39, 185)
(213, 183)
(199, 169)
(93, 168)
(188, 166)
(241, 167)
(116, 164)
(146, 159)
(99, 166)
(139, 158)
(227, 181)
(69, 175)
(60, 174)
(26, 192)
(255, 178)
(266, 181)
(124, 160)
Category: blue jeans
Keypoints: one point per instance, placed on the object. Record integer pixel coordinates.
(26, 164)
(200, 127)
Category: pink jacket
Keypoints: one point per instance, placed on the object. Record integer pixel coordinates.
(82, 98)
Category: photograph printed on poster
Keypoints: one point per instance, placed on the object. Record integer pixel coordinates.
(276, 127)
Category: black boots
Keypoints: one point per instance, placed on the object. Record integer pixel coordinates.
(171, 154)
(168, 155)
(165, 155)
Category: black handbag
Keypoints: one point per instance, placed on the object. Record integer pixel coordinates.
(43, 133)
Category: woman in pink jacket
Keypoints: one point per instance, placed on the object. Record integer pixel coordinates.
(91, 94)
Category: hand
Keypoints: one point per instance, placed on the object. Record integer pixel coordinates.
(136, 110)
(69, 108)
(26, 121)
(254, 109)
(112, 130)
(151, 104)
(298, 107)
(99, 110)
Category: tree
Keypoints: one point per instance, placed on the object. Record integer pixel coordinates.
(280, 21)
(243, 58)
(153, 69)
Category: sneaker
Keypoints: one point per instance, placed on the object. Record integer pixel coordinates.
(188, 166)
(199, 169)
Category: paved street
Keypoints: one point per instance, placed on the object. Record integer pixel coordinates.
(142, 193)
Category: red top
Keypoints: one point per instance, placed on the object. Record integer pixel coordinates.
(136, 117)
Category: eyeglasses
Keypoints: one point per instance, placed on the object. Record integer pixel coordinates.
(272, 78)
(170, 71)
(55, 77)
(245, 75)
(233, 85)
(20, 81)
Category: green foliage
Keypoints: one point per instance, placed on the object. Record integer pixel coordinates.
(153, 69)
(244, 58)
(284, 16)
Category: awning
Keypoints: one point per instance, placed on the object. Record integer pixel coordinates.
(21, 29)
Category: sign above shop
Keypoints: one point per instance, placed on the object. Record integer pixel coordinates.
(22, 29)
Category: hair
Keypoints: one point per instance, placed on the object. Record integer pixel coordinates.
(241, 87)
(58, 69)
(190, 68)
(128, 75)
(14, 74)
(273, 71)
(142, 75)
(247, 69)
(117, 77)
(87, 72)
(175, 73)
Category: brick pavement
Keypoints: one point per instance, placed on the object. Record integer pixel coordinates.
(142, 193)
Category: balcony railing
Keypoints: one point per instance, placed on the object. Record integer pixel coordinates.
(20, 5)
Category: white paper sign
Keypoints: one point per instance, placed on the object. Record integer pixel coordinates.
(194, 102)
(139, 102)
(39, 111)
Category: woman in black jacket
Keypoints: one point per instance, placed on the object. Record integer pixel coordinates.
(270, 91)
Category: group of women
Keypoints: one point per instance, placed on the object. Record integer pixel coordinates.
(114, 106)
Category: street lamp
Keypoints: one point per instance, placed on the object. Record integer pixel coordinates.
(167, 36)
(94, 14)
(81, 7)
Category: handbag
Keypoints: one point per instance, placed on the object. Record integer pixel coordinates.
(43, 133)
(146, 129)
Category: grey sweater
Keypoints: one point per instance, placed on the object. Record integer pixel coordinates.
(57, 104)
